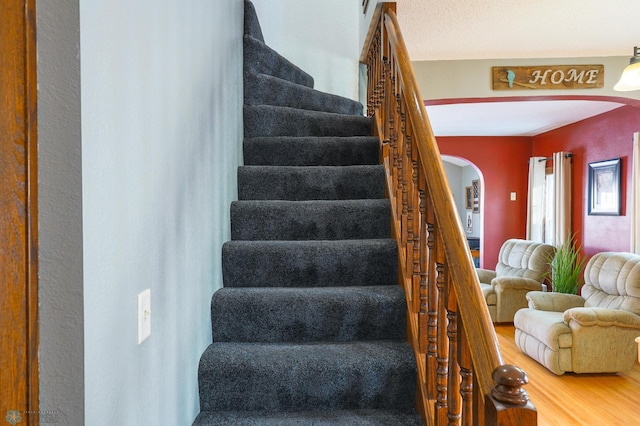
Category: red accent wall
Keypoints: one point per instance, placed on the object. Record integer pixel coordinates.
(503, 166)
(603, 137)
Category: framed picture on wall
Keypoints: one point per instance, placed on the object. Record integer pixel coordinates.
(475, 194)
(468, 198)
(604, 188)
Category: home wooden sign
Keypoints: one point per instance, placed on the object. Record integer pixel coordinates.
(548, 77)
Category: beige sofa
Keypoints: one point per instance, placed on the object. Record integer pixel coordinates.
(521, 268)
(592, 333)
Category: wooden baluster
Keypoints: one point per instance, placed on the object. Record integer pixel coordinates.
(415, 228)
(441, 410)
(423, 291)
(466, 374)
(508, 403)
(432, 295)
(453, 382)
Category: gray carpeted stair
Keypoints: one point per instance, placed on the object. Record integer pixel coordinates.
(337, 263)
(298, 183)
(309, 327)
(311, 151)
(263, 89)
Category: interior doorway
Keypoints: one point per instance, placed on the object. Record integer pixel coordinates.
(467, 186)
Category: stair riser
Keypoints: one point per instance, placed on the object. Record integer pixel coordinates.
(306, 315)
(310, 220)
(262, 89)
(310, 183)
(309, 263)
(320, 151)
(256, 377)
(266, 120)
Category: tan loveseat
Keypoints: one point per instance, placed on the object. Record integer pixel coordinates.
(521, 268)
(592, 333)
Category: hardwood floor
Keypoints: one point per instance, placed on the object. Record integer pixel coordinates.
(576, 399)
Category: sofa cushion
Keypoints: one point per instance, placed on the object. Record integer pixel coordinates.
(612, 280)
(522, 258)
(547, 327)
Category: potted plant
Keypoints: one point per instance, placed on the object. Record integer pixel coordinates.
(566, 267)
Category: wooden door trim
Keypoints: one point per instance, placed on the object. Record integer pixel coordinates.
(19, 381)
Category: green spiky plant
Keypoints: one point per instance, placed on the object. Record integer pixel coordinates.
(566, 267)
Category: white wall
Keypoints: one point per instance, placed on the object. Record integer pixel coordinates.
(138, 162)
(321, 37)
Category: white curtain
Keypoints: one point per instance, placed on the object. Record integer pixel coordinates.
(562, 197)
(634, 199)
(535, 199)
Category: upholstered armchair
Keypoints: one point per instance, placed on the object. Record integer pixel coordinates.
(522, 267)
(591, 333)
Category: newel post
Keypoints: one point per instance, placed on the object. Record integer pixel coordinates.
(508, 403)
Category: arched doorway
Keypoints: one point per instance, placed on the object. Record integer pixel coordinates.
(466, 182)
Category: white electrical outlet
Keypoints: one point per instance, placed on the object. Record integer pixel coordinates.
(144, 315)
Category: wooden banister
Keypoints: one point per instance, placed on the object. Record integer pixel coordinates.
(462, 378)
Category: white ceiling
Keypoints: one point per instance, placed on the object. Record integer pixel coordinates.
(526, 118)
(503, 29)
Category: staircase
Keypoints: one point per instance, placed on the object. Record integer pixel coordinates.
(309, 327)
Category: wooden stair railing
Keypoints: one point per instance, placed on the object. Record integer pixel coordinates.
(462, 379)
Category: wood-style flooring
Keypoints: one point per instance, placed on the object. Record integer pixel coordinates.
(576, 399)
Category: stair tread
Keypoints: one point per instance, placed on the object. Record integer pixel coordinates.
(268, 120)
(264, 89)
(311, 150)
(258, 57)
(310, 220)
(315, 263)
(308, 314)
(310, 182)
(295, 377)
(369, 417)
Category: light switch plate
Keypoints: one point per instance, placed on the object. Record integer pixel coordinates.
(513, 196)
(144, 315)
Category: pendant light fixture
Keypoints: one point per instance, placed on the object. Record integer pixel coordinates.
(630, 78)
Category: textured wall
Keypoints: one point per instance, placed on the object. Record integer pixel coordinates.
(60, 213)
(161, 132)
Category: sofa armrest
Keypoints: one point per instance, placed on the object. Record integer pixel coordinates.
(554, 302)
(515, 283)
(485, 275)
(603, 317)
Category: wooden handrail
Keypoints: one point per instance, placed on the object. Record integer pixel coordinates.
(462, 377)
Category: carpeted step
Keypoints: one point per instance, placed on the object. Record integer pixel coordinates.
(310, 220)
(310, 263)
(263, 89)
(260, 58)
(299, 183)
(298, 315)
(305, 418)
(311, 376)
(251, 24)
(267, 120)
(311, 151)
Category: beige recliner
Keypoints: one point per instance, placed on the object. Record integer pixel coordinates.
(592, 333)
(522, 267)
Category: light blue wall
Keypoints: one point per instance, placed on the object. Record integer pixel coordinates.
(140, 128)
(161, 140)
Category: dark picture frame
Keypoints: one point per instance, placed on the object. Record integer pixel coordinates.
(604, 187)
(468, 198)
